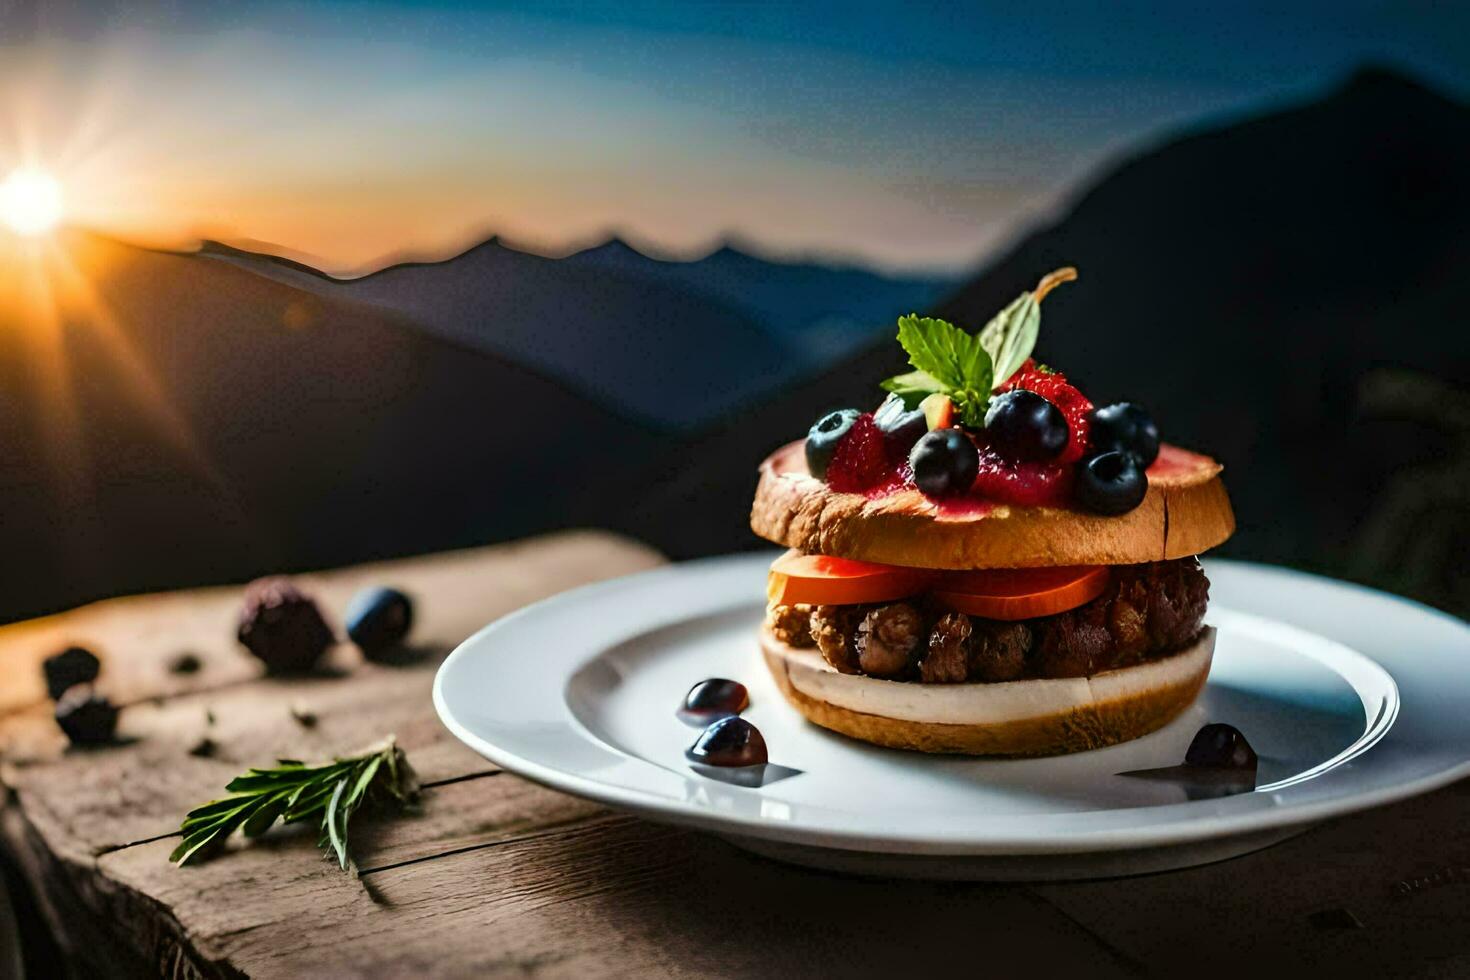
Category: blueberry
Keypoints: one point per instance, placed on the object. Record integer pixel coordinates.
(822, 439)
(1025, 426)
(730, 741)
(1110, 483)
(901, 426)
(68, 668)
(1125, 427)
(713, 699)
(378, 620)
(944, 462)
(1220, 746)
(86, 717)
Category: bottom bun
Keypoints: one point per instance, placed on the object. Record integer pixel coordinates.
(1015, 718)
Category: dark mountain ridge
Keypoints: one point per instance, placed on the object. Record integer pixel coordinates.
(1249, 283)
(185, 422)
(820, 308)
(673, 343)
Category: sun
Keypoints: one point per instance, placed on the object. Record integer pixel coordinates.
(30, 202)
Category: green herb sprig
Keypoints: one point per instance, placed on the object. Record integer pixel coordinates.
(968, 367)
(293, 791)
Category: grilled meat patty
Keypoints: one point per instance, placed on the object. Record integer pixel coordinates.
(1147, 611)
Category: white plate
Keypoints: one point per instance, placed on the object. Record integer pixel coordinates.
(1351, 698)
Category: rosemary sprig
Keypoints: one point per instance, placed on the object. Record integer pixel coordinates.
(293, 791)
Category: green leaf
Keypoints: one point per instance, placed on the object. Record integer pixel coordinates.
(1010, 336)
(335, 813)
(950, 355)
(208, 833)
(328, 794)
(363, 779)
(914, 387)
(946, 360)
(264, 816)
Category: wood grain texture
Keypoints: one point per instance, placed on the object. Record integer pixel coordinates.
(495, 876)
(613, 897)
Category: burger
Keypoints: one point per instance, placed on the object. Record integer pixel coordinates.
(987, 563)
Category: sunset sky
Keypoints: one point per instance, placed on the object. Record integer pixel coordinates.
(904, 135)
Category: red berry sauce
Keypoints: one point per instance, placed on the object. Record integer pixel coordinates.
(1024, 484)
(861, 463)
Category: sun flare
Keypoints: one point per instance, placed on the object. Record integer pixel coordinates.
(30, 202)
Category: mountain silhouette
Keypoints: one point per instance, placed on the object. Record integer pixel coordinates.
(182, 422)
(819, 310)
(1249, 283)
(674, 344)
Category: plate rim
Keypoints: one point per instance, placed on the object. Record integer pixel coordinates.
(1077, 841)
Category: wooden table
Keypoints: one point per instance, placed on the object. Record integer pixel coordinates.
(497, 876)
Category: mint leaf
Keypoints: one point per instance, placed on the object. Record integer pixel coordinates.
(944, 351)
(1010, 336)
(947, 360)
(914, 387)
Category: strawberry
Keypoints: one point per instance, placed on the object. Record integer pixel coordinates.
(861, 461)
(1054, 387)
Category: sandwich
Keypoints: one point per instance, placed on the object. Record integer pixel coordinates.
(988, 563)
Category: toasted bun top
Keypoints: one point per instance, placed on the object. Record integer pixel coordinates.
(1185, 512)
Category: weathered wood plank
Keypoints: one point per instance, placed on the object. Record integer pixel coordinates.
(457, 593)
(1382, 893)
(87, 801)
(63, 808)
(612, 897)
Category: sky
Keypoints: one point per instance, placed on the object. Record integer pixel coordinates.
(903, 135)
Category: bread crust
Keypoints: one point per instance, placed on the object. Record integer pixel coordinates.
(1083, 723)
(1185, 512)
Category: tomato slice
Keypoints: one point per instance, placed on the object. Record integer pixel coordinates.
(826, 581)
(1020, 593)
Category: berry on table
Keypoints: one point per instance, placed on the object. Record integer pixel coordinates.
(823, 438)
(282, 626)
(86, 717)
(378, 620)
(72, 666)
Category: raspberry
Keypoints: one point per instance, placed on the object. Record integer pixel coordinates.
(861, 461)
(1053, 386)
(1010, 481)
